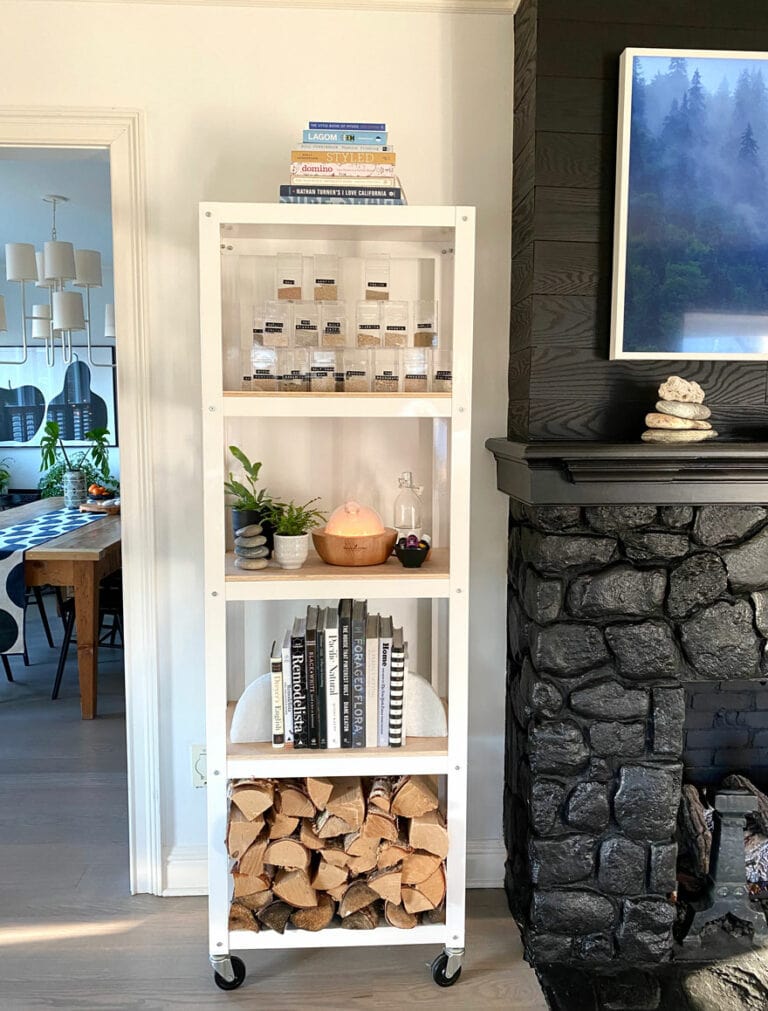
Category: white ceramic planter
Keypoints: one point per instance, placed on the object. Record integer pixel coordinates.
(291, 552)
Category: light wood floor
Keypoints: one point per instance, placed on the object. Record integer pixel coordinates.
(72, 938)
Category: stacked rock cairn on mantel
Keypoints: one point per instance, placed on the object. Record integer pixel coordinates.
(251, 551)
(680, 415)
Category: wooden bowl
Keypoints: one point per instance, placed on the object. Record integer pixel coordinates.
(374, 549)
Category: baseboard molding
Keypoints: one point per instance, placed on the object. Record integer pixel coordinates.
(485, 863)
(186, 867)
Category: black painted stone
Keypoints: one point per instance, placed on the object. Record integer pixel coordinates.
(554, 554)
(676, 516)
(645, 933)
(719, 524)
(663, 868)
(614, 519)
(557, 747)
(550, 948)
(547, 798)
(594, 948)
(645, 650)
(720, 641)
(760, 604)
(629, 991)
(620, 590)
(698, 580)
(572, 912)
(642, 546)
(611, 701)
(515, 561)
(536, 696)
(563, 861)
(566, 649)
(668, 719)
(747, 565)
(646, 802)
(622, 866)
(542, 598)
(554, 517)
(599, 770)
(588, 807)
(622, 740)
(517, 630)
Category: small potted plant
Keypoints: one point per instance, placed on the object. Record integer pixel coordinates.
(249, 505)
(292, 525)
(71, 475)
(5, 477)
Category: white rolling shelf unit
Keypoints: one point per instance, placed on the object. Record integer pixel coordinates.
(449, 234)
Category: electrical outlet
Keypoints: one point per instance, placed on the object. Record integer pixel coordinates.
(199, 764)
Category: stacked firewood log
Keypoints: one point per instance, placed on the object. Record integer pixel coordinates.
(310, 850)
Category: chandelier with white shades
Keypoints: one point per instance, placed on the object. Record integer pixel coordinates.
(58, 265)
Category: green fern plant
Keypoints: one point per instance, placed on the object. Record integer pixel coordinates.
(293, 520)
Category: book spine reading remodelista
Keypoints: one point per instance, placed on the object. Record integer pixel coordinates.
(356, 192)
(372, 681)
(287, 687)
(278, 714)
(310, 660)
(345, 668)
(397, 690)
(357, 649)
(332, 686)
(322, 136)
(299, 685)
(385, 658)
(326, 125)
(322, 720)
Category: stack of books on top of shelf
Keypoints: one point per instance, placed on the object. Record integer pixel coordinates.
(343, 163)
(343, 679)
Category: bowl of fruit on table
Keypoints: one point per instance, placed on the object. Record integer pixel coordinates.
(99, 493)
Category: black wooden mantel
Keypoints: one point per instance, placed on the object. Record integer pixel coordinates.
(603, 473)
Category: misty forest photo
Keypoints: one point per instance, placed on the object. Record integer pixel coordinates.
(696, 278)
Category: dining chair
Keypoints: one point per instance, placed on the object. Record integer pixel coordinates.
(110, 606)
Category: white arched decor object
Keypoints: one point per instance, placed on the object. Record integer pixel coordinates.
(121, 132)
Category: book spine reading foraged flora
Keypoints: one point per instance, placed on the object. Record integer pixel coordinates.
(389, 192)
(372, 681)
(299, 685)
(325, 157)
(323, 136)
(322, 717)
(332, 686)
(323, 125)
(287, 688)
(345, 620)
(357, 650)
(334, 170)
(385, 655)
(310, 664)
(397, 690)
(276, 671)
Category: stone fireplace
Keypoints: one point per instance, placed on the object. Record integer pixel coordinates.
(638, 616)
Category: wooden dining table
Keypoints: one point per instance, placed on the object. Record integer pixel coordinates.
(80, 559)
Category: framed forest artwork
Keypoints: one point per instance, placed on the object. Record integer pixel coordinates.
(690, 264)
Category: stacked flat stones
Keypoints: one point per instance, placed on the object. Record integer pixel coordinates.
(251, 551)
(680, 415)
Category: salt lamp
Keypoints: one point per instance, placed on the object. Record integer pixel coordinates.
(354, 535)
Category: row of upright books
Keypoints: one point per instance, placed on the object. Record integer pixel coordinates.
(339, 680)
(343, 163)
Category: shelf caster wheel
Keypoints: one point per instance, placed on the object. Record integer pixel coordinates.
(446, 968)
(232, 971)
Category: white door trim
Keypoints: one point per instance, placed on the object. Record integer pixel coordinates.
(122, 132)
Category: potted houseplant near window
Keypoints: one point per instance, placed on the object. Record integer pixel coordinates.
(249, 505)
(5, 477)
(70, 475)
(292, 525)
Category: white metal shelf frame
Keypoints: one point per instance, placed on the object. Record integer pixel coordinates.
(453, 227)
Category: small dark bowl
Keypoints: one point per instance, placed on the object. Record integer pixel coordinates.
(411, 558)
(102, 498)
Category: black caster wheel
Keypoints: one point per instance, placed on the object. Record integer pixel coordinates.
(438, 971)
(238, 967)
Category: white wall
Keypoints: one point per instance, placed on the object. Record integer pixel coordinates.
(225, 91)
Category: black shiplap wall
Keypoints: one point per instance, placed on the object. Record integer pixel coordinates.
(561, 383)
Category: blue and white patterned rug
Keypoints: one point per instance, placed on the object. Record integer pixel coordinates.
(14, 541)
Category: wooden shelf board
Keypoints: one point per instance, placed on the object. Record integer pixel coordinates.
(337, 937)
(317, 579)
(237, 404)
(419, 755)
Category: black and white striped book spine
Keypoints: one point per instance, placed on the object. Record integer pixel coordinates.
(397, 690)
(278, 712)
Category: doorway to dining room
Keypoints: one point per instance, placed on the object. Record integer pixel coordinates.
(124, 736)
